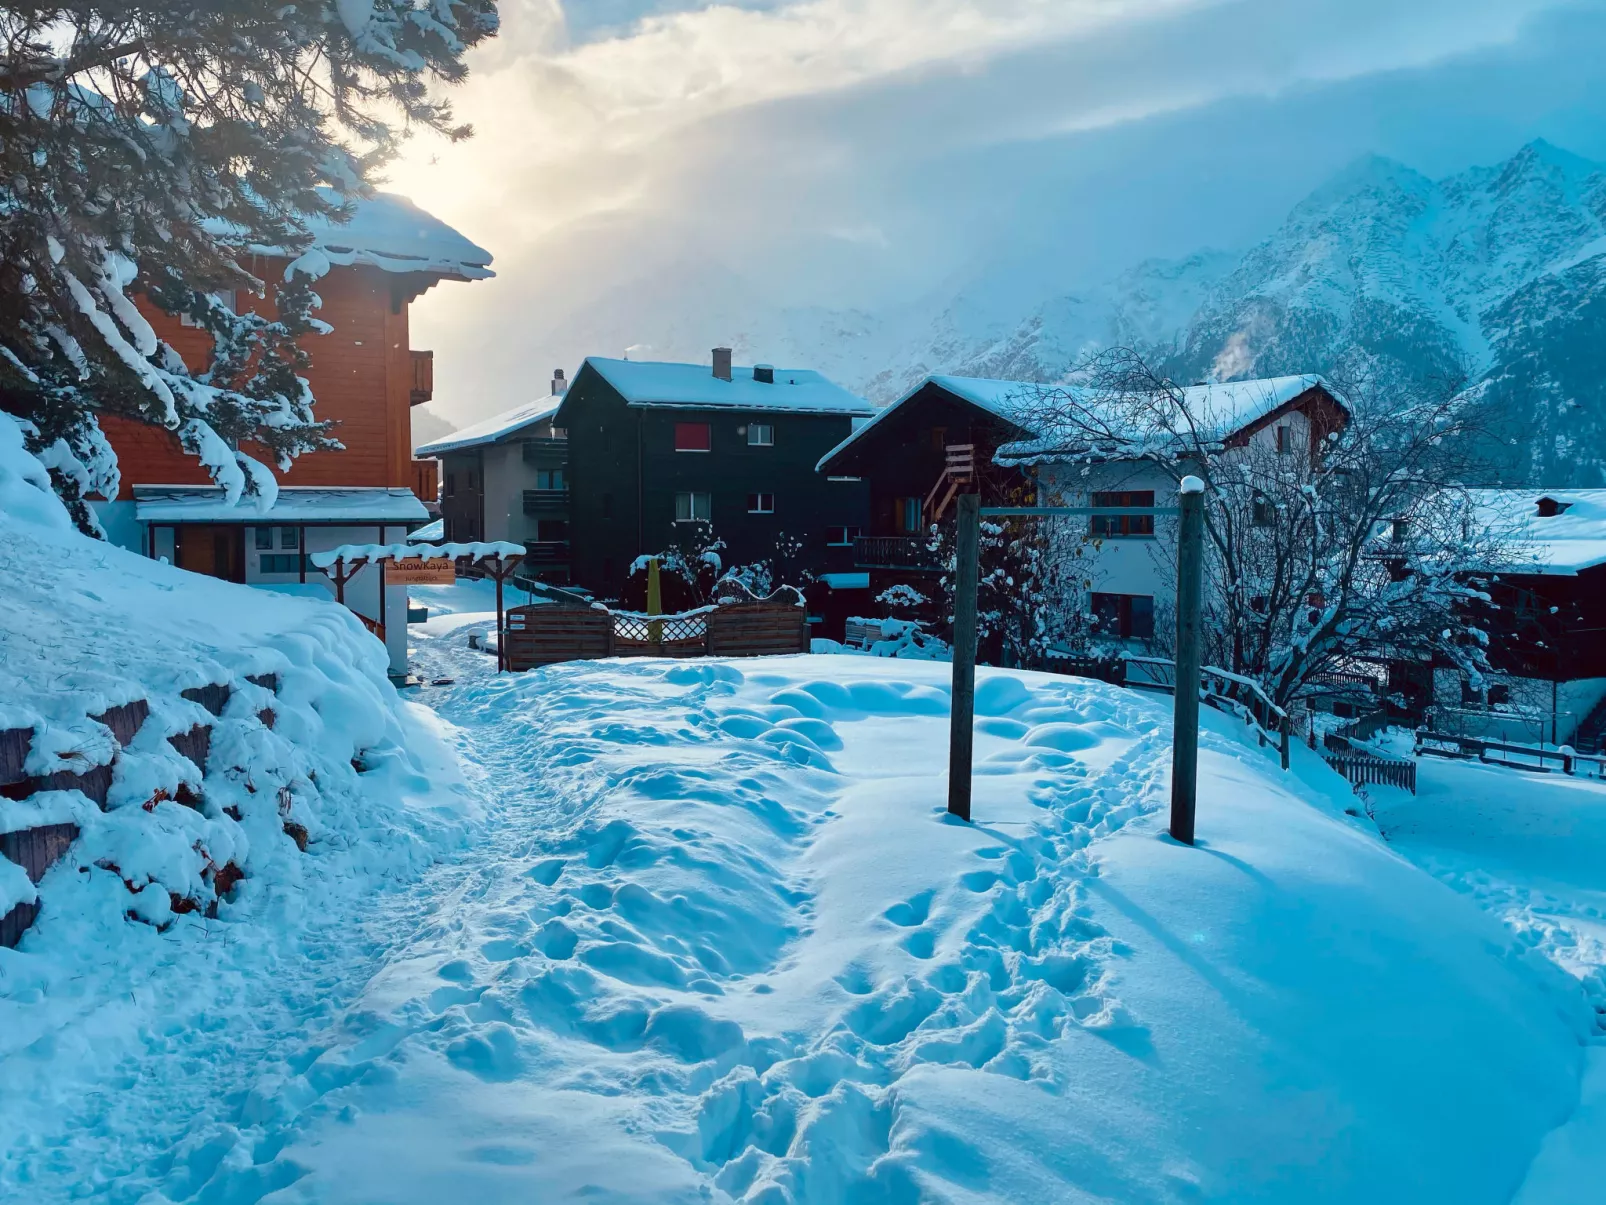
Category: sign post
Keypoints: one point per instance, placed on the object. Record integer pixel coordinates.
(962, 713)
(1185, 716)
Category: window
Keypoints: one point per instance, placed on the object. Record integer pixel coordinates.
(551, 530)
(226, 300)
(1262, 513)
(1124, 616)
(908, 514)
(939, 438)
(761, 504)
(264, 538)
(692, 506)
(1285, 440)
(1400, 529)
(549, 479)
(692, 437)
(451, 484)
(760, 435)
(1122, 526)
(842, 537)
(289, 537)
(281, 562)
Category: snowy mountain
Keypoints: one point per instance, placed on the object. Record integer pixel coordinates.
(1495, 276)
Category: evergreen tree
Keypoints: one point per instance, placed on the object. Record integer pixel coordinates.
(145, 147)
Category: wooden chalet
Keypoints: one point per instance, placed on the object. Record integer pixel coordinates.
(916, 456)
(366, 377)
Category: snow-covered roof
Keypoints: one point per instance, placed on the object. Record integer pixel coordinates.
(1222, 409)
(388, 232)
(495, 428)
(1571, 539)
(475, 549)
(296, 504)
(694, 386)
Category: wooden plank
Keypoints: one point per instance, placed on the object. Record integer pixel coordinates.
(95, 783)
(14, 745)
(15, 923)
(37, 849)
(214, 696)
(125, 721)
(195, 744)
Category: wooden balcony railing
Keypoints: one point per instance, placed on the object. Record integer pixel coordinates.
(546, 552)
(427, 480)
(893, 552)
(423, 376)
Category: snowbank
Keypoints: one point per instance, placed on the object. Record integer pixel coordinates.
(730, 948)
(248, 724)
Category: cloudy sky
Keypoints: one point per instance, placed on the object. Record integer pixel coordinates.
(670, 174)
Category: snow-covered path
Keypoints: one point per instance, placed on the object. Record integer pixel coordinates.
(715, 940)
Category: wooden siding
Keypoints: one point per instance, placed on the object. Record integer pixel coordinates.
(362, 376)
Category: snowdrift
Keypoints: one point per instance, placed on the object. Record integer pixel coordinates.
(728, 947)
(195, 736)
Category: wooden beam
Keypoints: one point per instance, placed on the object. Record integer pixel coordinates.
(962, 710)
(1185, 713)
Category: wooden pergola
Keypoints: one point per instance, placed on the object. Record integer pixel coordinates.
(497, 559)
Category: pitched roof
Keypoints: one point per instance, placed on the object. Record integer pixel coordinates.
(295, 504)
(386, 231)
(1563, 543)
(1216, 412)
(694, 386)
(497, 427)
(1223, 409)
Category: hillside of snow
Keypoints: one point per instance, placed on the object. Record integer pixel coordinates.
(187, 887)
(722, 944)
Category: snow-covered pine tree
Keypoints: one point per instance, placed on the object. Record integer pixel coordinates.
(144, 148)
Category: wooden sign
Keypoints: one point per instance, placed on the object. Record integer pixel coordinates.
(415, 571)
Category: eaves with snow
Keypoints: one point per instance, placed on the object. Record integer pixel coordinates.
(388, 232)
(1559, 531)
(494, 429)
(648, 383)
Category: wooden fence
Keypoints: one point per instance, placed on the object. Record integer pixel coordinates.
(1536, 758)
(547, 633)
(1361, 769)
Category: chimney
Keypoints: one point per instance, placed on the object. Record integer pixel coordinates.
(722, 363)
(560, 386)
(1549, 508)
(764, 373)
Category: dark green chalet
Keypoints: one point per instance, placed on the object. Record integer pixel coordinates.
(656, 449)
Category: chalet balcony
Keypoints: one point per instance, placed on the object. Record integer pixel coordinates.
(546, 552)
(893, 552)
(423, 377)
(546, 452)
(426, 480)
(546, 502)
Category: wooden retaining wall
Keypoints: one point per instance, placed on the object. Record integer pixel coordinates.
(37, 849)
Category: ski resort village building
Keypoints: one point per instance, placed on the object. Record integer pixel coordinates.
(658, 452)
(365, 376)
(506, 478)
(999, 438)
(1547, 629)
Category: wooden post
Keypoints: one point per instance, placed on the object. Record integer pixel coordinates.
(962, 712)
(340, 582)
(1185, 717)
(381, 564)
(655, 602)
(1287, 738)
(501, 634)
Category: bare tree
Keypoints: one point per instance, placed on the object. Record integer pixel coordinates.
(1361, 547)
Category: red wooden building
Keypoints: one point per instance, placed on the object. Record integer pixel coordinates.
(365, 376)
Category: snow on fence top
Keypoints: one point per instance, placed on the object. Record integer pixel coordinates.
(1563, 531)
(498, 426)
(794, 390)
(478, 550)
(294, 504)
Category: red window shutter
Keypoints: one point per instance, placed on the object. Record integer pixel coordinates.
(691, 437)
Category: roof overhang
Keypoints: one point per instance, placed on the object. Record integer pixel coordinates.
(295, 505)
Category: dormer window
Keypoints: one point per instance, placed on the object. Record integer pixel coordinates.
(1549, 507)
